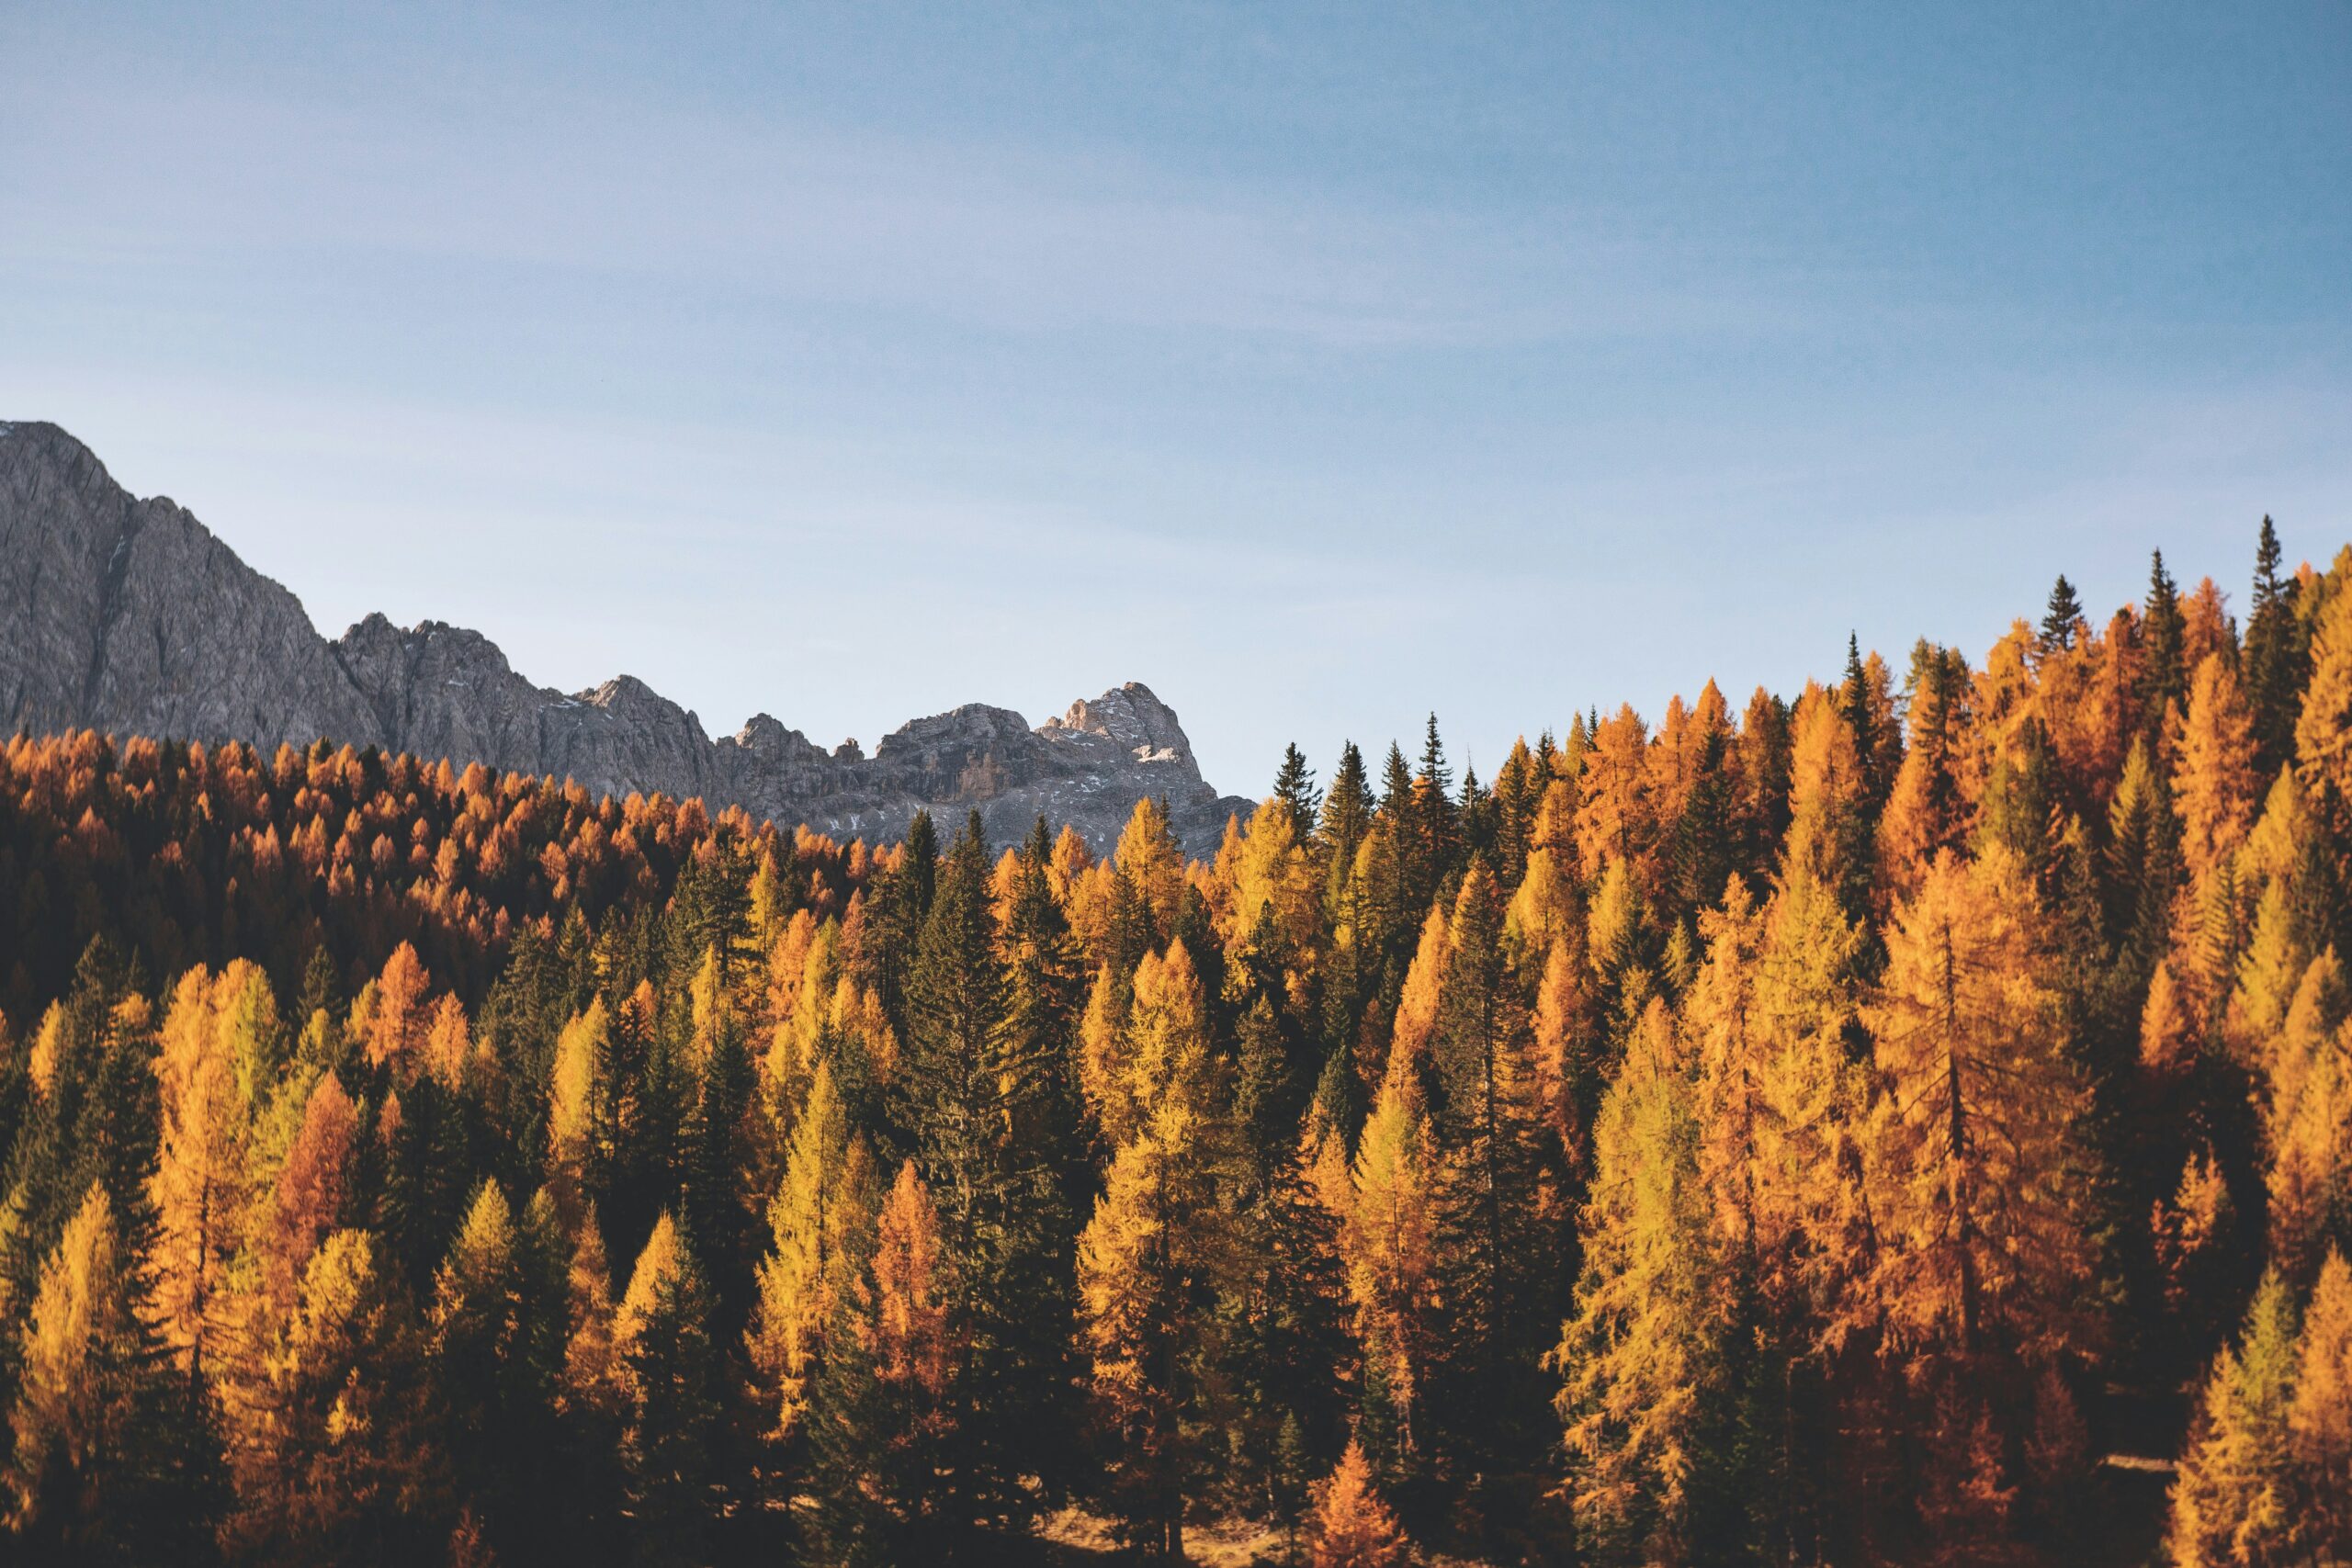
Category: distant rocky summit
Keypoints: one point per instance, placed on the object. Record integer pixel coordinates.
(128, 616)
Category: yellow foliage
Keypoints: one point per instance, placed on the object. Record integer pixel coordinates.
(1149, 858)
(1388, 1243)
(2319, 1419)
(1977, 1199)
(1616, 816)
(1824, 788)
(1424, 993)
(2168, 1036)
(1159, 1049)
(1270, 873)
(819, 1221)
(1542, 909)
(1563, 1038)
(1353, 1528)
(69, 1399)
(577, 1096)
(389, 1015)
(1638, 1355)
(2323, 728)
(41, 1062)
(2214, 780)
(906, 1329)
(200, 1187)
(1776, 1095)
(661, 1268)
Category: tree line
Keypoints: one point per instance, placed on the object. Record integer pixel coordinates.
(1891, 1124)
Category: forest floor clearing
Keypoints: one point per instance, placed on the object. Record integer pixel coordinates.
(1074, 1537)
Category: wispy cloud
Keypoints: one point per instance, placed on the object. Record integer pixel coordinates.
(998, 237)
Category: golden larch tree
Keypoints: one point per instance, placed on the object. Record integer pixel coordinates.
(1388, 1244)
(819, 1221)
(312, 1186)
(2319, 1417)
(1352, 1527)
(1616, 814)
(389, 1017)
(1776, 1093)
(200, 1187)
(578, 1105)
(1826, 839)
(1153, 862)
(1156, 1258)
(2323, 727)
(78, 1409)
(1642, 1353)
(1968, 1154)
(2212, 781)
(1424, 993)
(2232, 1496)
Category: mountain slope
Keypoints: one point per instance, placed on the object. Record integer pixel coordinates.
(129, 615)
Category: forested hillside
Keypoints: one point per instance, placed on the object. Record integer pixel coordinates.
(1910, 1120)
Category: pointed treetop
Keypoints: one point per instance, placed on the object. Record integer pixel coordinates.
(1294, 787)
(2059, 621)
(1353, 1528)
(1435, 771)
(1396, 780)
(2267, 557)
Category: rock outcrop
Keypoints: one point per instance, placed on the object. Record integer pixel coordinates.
(128, 616)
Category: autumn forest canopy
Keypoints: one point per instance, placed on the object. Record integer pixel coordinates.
(1907, 1121)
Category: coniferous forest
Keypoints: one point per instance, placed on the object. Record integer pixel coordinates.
(1908, 1120)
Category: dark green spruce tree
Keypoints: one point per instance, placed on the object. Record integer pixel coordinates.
(2278, 660)
(969, 1096)
(2062, 619)
(2164, 630)
(1295, 789)
(1498, 1261)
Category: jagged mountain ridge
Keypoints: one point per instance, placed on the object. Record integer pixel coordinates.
(129, 615)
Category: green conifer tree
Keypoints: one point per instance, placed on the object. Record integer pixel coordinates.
(2277, 657)
(670, 1447)
(1295, 789)
(2062, 618)
(1498, 1253)
(970, 1105)
(2164, 629)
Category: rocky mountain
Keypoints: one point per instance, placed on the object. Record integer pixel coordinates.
(129, 615)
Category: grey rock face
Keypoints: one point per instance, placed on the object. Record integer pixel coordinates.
(128, 616)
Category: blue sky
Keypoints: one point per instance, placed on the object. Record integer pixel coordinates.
(1318, 365)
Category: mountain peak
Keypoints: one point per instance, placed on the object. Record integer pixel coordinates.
(129, 615)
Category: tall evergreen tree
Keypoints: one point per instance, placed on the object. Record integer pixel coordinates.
(1642, 1358)
(1295, 789)
(1045, 998)
(99, 1468)
(337, 1458)
(1347, 813)
(2278, 660)
(883, 1419)
(820, 1222)
(997, 1195)
(2231, 1499)
(1155, 1261)
(497, 1331)
(670, 1446)
(1496, 1246)
(2062, 619)
(2164, 635)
